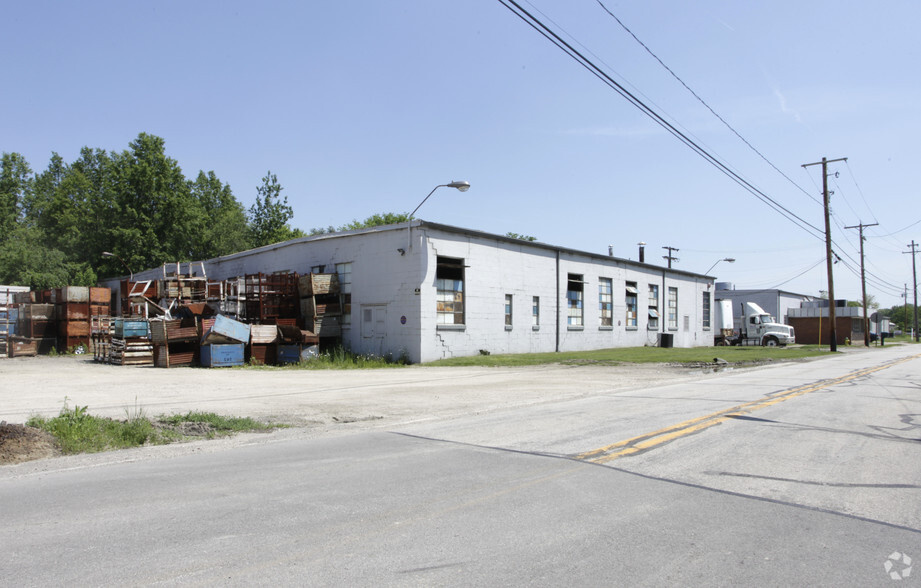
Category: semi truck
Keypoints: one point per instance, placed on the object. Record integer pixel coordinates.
(754, 326)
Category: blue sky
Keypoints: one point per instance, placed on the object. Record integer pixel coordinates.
(363, 107)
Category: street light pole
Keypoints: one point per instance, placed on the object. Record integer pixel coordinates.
(461, 186)
(130, 273)
(726, 259)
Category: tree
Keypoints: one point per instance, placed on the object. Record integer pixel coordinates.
(25, 260)
(224, 229)
(269, 215)
(376, 220)
(522, 237)
(15, 191)
(872, 304)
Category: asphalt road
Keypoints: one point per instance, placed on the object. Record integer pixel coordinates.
(794, 474)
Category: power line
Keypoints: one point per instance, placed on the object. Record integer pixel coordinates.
(702, 101)
(586, 63)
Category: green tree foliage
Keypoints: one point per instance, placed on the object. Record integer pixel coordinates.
(15, 191)
(872, 304)
(375, 220)
(224, 229)
(269, 216)
(903, 316)
(522, 237)
(25, 260)
(55, 225)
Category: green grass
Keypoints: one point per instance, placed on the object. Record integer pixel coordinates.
(340, 358)
(77, 431)
(693, 355)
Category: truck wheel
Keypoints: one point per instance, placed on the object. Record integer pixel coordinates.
(770, 342)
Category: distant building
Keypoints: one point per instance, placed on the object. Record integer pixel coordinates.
(813, 326)
(428, 291)
(777, 303)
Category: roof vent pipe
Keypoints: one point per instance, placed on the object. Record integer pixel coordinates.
(642, 251)
(610, 251)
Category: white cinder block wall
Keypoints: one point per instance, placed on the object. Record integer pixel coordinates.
(394, 292)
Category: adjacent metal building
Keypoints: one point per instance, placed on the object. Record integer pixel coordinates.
(428, 291)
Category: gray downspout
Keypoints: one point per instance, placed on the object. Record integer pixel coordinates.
(557, 348)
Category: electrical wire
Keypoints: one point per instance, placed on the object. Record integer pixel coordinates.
(586, 63)
(707, 106)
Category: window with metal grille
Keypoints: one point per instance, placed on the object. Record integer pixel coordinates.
(606, 302)
(630, 296)
(574, 287)
(673, 308)
(449, 281)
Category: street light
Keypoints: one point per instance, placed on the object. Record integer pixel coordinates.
(130, 273)
(727, 259)
(461, 186)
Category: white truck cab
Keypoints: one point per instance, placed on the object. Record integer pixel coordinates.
(760, 328)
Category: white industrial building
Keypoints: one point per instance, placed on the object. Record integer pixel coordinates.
(429, 291)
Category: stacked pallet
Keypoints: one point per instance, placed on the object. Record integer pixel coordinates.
(174, 343)
(9, 316)
(130, 342)
(37, 323)
(321, 304)
(101, 337)
(72, 308)
(270, 296)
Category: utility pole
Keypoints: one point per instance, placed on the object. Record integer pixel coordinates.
(863, 285)
(914, 278)
(828, 260)
(669, 256)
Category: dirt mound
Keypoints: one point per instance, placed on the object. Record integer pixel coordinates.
(19, 443)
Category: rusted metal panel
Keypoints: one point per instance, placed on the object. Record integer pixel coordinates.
(38, 328)
(318, 284)
(72, 311)
(73, 329)
(22, 347)
(100, 296)
(263, 354)
(263, 334)
(175, 354)
(43, 312)
(172, 332)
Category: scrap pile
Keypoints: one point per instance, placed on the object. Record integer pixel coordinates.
(62, 319)
(181, 319)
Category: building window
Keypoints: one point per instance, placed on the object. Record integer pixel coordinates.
(630, 296)
(344, 270)
(535, 311)
(508, 311)
(606, 302)
(574, 315)
(653, 311)
(705, 311)
(449, 280)
(673, 309)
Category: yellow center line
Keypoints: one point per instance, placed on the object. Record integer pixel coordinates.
(653, 439)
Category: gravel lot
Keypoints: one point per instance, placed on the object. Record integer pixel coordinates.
(315, 403)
